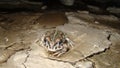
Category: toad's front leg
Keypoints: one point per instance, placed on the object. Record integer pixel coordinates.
(62, 51)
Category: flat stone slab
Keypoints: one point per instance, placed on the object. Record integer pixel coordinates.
(87, 42)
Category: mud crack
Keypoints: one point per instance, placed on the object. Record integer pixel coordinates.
(26, 58)
(109, 35)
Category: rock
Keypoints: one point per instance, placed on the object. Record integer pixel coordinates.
(110, 58)
(22, 60)
(75, 20)
(106, 18)
(17, 60)
(81, 17)
(84, 64)
(113, 10)
(95, 9)
(5, 55)
(67, 2)
(84, 12)
(38, 62)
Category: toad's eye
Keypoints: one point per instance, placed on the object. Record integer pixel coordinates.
(58, 42)
(46, 42)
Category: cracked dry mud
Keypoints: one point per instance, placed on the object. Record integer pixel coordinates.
(93, 47)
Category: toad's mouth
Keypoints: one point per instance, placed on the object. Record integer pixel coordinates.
(54, 47)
